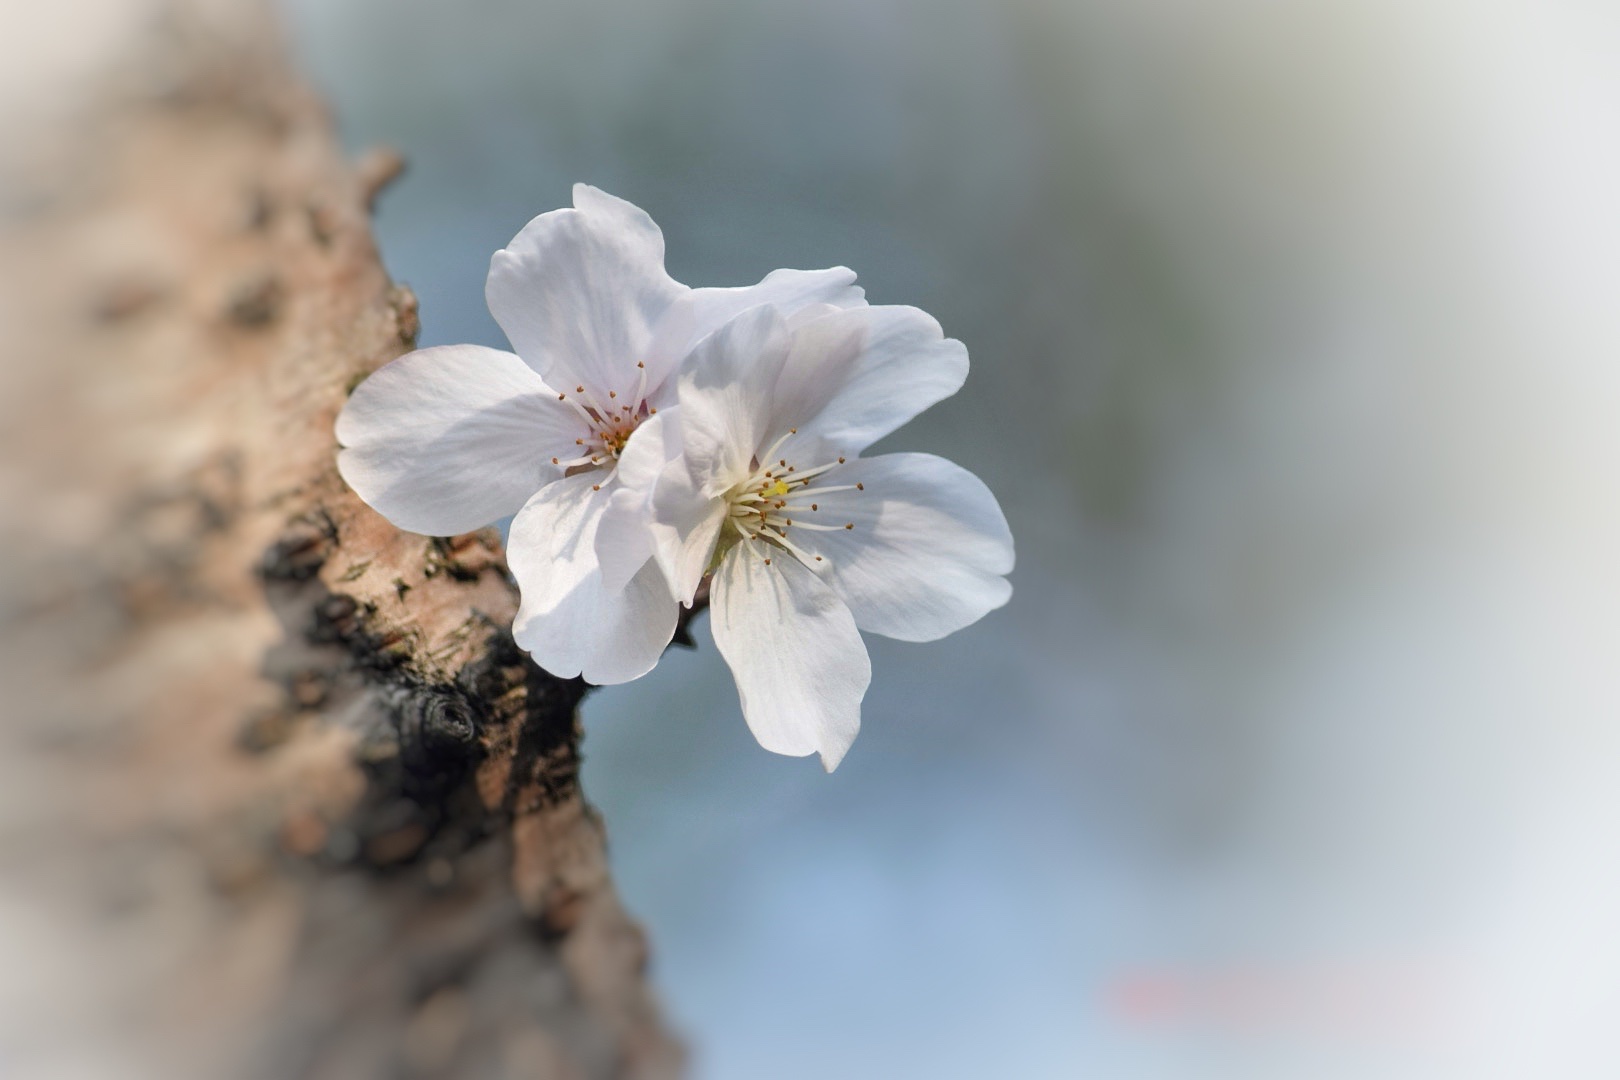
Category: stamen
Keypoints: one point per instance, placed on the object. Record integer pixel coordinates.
(584, 413)
(777, 445)
(800, 553)
(592, 403)
(817, 471)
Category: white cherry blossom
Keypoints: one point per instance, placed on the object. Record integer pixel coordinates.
(753, 480)
(451, 438)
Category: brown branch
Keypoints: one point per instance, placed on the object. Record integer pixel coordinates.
(287, 791)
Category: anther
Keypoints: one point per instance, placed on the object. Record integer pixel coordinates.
(812, 506)
(641, 363)
(783, 462)
(767, 562)
(793, 431)
(579, 389)
(613, 393)
(849, 524)
(652, 412)
(840, 461)
(859, 486)
(818, 558)
(598, 487)
(555, 461)
(579, 442)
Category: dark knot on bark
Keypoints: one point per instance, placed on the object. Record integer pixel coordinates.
(438, 731)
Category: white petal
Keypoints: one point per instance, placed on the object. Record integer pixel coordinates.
(448, 439)
(624, 541)
(928, 550)
(569, 621)
(686, 526)
(701, 312)
(854, 376)
(725, 398)
(658, 511)
(578, 292)
(792, 646)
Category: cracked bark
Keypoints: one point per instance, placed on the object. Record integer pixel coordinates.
(278, 795)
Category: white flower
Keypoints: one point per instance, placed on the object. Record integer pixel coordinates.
(753, 476)
(448, 439)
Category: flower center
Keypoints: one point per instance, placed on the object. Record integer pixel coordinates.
(609, 423)
(777, 498)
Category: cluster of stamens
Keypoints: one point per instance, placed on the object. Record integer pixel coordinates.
(609, 425)
(776, 497)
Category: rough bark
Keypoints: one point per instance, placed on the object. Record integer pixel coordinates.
(278, 796)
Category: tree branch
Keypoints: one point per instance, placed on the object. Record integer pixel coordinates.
(284, 797)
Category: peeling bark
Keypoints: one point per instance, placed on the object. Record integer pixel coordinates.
(278, 795)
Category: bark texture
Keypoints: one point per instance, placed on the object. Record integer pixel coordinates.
(278, 796)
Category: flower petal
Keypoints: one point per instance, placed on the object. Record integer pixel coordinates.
(657, 511)
(448, 439)
(685, 528)
(578, 291)
(792, 646)
(854, 376)
(569, 620)
(624, 541)
(725, 397)
(701, 312)
(928, 550)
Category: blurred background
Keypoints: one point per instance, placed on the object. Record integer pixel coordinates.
(1294, 337)
(1294, 331)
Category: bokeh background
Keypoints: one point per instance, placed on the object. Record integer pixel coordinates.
(1294, 339)
(1295, 332)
